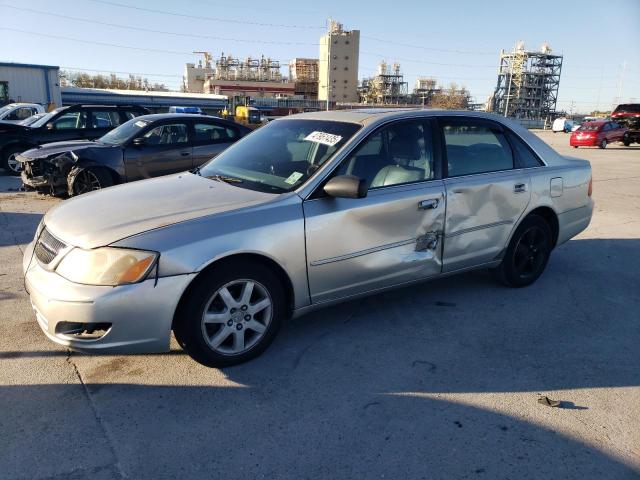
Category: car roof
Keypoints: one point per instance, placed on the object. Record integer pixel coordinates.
(367, 116)
(161, 116)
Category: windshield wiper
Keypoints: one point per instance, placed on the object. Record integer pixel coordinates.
(225, 179)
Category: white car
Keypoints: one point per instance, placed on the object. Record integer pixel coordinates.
(17, 112)
(562, 125)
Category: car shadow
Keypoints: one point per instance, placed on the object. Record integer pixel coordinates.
(22, 227)
(405, 384)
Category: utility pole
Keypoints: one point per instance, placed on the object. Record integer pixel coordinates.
(621, 84)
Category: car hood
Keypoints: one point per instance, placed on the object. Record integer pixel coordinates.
(56, 148)
(100, 218)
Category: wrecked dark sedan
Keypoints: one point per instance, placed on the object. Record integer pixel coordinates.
(144, 147)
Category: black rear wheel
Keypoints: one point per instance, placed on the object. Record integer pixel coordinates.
(527, 254)
(9, 162)
(603, 143)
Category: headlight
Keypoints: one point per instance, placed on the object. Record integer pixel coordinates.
(107, 266)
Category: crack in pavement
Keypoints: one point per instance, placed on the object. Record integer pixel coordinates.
(96, 415)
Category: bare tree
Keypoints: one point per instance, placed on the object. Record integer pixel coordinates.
(84, 80)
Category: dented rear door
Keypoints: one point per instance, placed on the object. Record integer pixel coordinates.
(486, 192)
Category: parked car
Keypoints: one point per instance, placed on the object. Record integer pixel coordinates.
(562, 125)
(597, 134)
(17, 112)
(66, 123)
(307, 211)
(144, 147)
(628, 115)
(195, 110)
(32, 119)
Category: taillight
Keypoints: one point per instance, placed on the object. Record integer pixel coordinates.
(590, 191)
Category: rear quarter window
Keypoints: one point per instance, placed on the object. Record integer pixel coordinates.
(525, 157)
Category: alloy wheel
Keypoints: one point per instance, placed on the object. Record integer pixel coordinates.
(530, 252)
(236, 317)
(13, 164)
(86, 181)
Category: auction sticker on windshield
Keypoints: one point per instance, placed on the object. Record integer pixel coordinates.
(293, 178)
(141, 123)
(324, 138)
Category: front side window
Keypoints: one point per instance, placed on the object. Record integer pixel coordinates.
(398, 154)
(71, 120)
(475, 148)
(206, 133)
(281, 156)
(171, 134)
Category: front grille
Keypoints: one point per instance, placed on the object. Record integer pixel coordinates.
(48, 247)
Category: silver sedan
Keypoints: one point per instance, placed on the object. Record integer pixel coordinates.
(310, 210)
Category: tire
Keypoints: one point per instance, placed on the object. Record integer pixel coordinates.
(85, 180)
(603, 144)
(626, 141)
(527, 254)
(229, 319)
(10, 165)
(575, 146)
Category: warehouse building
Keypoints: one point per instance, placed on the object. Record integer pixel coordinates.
(154, 101)
(23, 82)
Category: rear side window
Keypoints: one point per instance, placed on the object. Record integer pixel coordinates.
(129, 114)
(475, 148)
(206, 133)
(525, 158)
(104, 119)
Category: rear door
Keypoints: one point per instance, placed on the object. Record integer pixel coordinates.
(210, 138)
(101, 121)
(390, 237)
(486, 191)
(166, 149)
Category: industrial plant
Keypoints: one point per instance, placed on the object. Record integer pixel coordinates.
(528, 83)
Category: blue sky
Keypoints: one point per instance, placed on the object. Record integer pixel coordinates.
(452, 41)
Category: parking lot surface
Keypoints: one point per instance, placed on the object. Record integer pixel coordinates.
(435, 381)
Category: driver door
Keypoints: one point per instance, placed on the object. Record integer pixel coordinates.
(166, 149)
(391, 236)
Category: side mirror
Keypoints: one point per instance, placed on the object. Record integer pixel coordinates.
(346, 186)
(139, 142)
(50, 126)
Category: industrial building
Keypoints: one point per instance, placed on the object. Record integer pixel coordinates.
(23, 82)
(528, 83)
(304, 73)
(386, 87)
(338, 64)
(256, 77)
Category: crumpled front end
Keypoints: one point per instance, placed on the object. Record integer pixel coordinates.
(47, 174)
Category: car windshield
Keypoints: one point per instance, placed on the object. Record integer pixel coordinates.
(590, 127)
(124, 132)
(5, 109)
(40, 122)
(280, 156)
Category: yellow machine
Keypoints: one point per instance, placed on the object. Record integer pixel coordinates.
(247, 115)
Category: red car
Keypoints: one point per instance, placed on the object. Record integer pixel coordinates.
(597, 134)
(628, 114)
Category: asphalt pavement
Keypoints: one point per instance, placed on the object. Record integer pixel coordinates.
(435, 381)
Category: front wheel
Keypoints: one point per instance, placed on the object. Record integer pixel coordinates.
(84, 180)
(603, 143)
(527, 254)
(231, 315)
(626, 140)
(575, 146)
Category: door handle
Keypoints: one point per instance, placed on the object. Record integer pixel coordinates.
(184, 154)
(520, 188)
(429, 204)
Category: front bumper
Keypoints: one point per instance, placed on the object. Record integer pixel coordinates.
(139, 315)
(41, 174)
